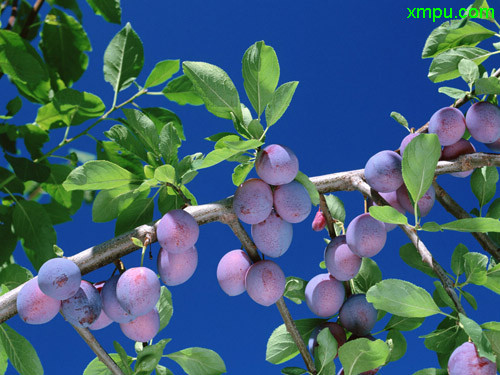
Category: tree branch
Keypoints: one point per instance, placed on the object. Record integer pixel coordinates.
(328, 216)
(31, 18)
(13, 16)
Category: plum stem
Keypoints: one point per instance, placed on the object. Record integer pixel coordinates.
(328, 216)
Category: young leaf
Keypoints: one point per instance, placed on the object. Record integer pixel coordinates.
(475, 224)
(96, 367)
(148, 358)
(165, 173)
(442, 296)
(410, 256)
(388, 214)
(261, 73)
(279, 102)
(335, 206)
(215, 87)
(483, 184)
(162, 71)
(21, 353)
(182, 91)
(165, 307)
(294, 289)
(325, 352)
(431, 226)
(400, 119)
(398, 345)
(493, 279)
(402, 298)
(139, 212)
(310, 187)
(470, 299)
(477, 336)
(162, 370)
(123, 58)
(487, 86)
(403, 324)
(362, 355)
(475, 268)
(445, 65)
(199, 361)
(457, 259)
(468, 71)
(368, 275)
(123, 357)
(452, 92)
(241, 172)
(110, 10)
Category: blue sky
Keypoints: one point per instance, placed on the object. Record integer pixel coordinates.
(356, 62)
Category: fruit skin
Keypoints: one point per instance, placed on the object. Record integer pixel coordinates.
(110, 303)
(319, 221)
(177, 231)
(35, 307)
(253, 201)
(465, 360)
(277, 165)
(175, 269)
(292, 202)
(84, 307)
(365, 235)
(335, 329)
(273, 236)
(483, 122)
(392, 199)
(462, 147)
(448, 124)
(138, 290)
(231, 272)
(103, 320)
(425, 203)
(405, 142)
(324, 295)
(59, 278)
(494, 146)
(340, 261)
(358, 315)
(143, 328)
(265, 282)
(383, 171)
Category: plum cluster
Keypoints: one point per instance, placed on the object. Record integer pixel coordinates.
(270, 204)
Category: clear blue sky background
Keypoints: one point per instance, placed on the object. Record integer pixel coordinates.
(356, 62)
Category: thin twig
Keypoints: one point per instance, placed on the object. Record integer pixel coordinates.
(13, 16)
(328, 216)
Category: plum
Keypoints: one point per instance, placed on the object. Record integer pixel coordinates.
(103, 320)
(392, 199)
(253, 201)
(494, 146)
(231, 272)
(177, 231)
(277, 165)
(265, 282)
(324, 295)
(465, 360)
(483, 122)
(383, 171)
(424, 204)
(35, 307)
(84, 307)
(448, 124)
(365, 235)
(175, 269)
(453, 151)
(340, 261)
(358, 315)
(319, 221)
(138, 290)
(292, 202)
(59, 278)
(335, 329)
(110, 303)
(143, 328)
(273, 236)
(405, 142)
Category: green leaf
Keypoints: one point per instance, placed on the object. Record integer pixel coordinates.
(165, 307)
(310, 187)
(475, 268)
(293, 371)
(14, 275)
(144, 129)
(112, 152)
(162, 370)
(449, 35)
(98, 174)
(494, 209)
(137, 242)
(255, 129)
(457, 259)
(215, 87)
(68, 4)
(280, 345)
(400, 119)
(410, 256)
(53, 186)
(217, 156)
(162, 71)
(24, 12)
(441, 297)
(241, 172)
(431, 226)
(388, 214)
(182, 91)
(419, 163)
(453, 92)
(492, 326)
(26, 170)
(15, 185)
(64, 43)
(478, 337)
(483, 184)
(446, 337)
(431, 371)
(403, 324)
(139, 212)
(362, 355)
(148, 358)
(110, 10)
(123, 58)
(487, 86)
(126, 139)
(96, 367)
(369, 274)
(199, 361)
(295, 289)
(123, 358)
(493, 279)
(494, 339)
(14, 106)
(261, 72)
(445, 66)
(279, 102)
(470, 299)
(335, 206)
(33, 225)
(162, 116)
(402, 298)
(165, 173)
(325, 352)
(21, 353)
(398, 345)
(468, 71)
(475, 224)
(109, 203)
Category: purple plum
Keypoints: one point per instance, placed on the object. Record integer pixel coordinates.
(175, 269)
(273, 236)
(59, 278)
(35, 307)
(231, 272)
(138, 290)
(448, 124)
(253, 201)
(383, 171)
(265, 282)
(292, 202)
(483, 122)
(277, 165)
(324, 295)
(340, 261)
(177, 231)
(366, 236)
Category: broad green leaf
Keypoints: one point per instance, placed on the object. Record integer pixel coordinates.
(362, 355)
(199, 361)
(493, 279)
(21, 353)
(388, 214)
(165, 307)
(398, 345)
(182, 91)
(445, 338)
(162, 71)
(293, 371)
(139, 212)
(53, 186)
(126, 139)
(165, 173)
(216, 156)
(109, 203)
(419, 163)
(241, 172)
(215, 87)
(335, 206)
(98, 174)
(123, 358)
(491, 326)
(453, 92)
(478, 337)
(369, 274)
(295, 289)
(68, 4)
(440, 296)
(475, 224)
(162, 116)
(431, 371)
(123, 58)
(279, 102)
(494, 339)
(325, 352)
(14, 106)
(114, 153)
(148, 358)
(400, 119)
(431, 226)
(457, 259)
(483, 184)
(110, 10)
(402, 298)
(64, 43)
(27, 170)
(470, 299)
(410, 256)
(15, 185)
(261, 72)
(487, 86)
(162, 370)
(58, 214)
(445, 65)
(144, 129)
(450, 35)
(403, 324)
(494, 209)
(475, 268)
(468, 71)
(255, 129)
(280, 345)
(34, 139)
(33, 225)
(243, 145)
(310, 187)
(96, 367)
(14, 275)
